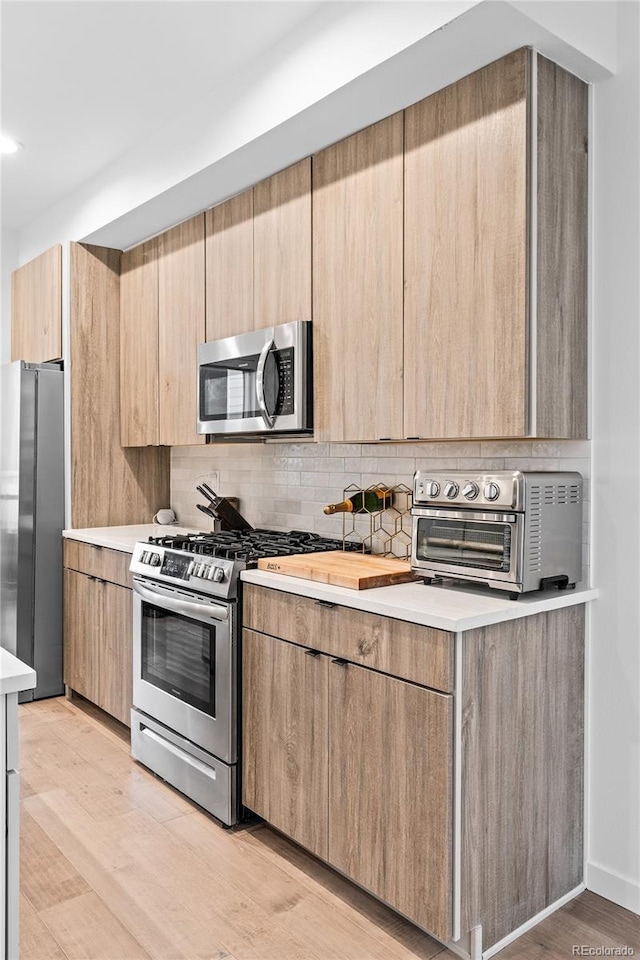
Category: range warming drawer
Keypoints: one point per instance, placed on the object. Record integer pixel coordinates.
(195, 773)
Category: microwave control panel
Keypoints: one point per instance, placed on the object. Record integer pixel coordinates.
(284, 361)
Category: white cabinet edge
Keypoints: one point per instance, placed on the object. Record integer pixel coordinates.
(14, 674)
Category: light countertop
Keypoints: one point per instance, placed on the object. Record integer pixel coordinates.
(124, 538)
(14, 674)
(446, 607)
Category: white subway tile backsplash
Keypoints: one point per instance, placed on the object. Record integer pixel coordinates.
(436, 463)
(346, 449)
(379, 450)
(285, 485)
(360, 464)
(325, 464)
(406, 465)
(506, 448)
(313, 479)
(342, 480)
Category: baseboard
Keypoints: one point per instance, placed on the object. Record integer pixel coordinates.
(612, 886)
(497, 947)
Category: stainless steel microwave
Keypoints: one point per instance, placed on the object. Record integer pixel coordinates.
(258, 383)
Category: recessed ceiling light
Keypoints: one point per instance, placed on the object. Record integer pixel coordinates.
(7, 145)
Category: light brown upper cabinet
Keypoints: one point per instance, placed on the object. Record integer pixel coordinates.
(282, 247)
(357, 285)
(229, 267)
(181, 328)
(258, 255)
(162, 321)
(495, 332)
(139, 420)
(36, 308)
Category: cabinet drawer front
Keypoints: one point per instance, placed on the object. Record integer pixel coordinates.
(101, 562)
(406, 650)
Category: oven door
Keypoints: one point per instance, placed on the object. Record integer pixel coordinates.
(184, 665)
(467, 544)
(256, 383)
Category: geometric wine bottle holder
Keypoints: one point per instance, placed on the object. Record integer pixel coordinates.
(386, 532)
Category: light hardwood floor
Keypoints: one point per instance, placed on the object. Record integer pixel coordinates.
(117, 865)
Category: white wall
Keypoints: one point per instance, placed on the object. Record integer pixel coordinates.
(614, 728)
(344, 68)
(8, 262)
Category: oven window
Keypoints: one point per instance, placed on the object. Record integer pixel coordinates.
(228, 389)
(178, 656)
(465, 543)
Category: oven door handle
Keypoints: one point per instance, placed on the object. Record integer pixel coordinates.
(262, 403)
(203, 611)
(473, 516)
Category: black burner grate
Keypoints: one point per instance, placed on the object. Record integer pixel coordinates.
(250, 545)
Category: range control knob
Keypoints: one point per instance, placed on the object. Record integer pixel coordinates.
(144, 556)
(433, 488)
(491, 491)
(470, 490)
(451, 490)
(155, 559)
(218, 574)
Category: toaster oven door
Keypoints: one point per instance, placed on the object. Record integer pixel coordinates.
(468, 544)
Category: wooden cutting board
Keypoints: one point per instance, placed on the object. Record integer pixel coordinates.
(355, 570)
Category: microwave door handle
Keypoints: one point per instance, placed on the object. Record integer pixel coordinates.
(260, 385)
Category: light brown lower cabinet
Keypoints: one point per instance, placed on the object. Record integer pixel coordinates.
(355, 766)
(98, 633)
(351, 744)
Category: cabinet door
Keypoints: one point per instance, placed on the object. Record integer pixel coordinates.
(282, 246)
(116, 652)
(109, 486)
(229, 267)
(390, 791)
(465, 341)
(36, 308)
(285, 766)
(181, 329)
(139, 346)
(82, 615)
(357, 285)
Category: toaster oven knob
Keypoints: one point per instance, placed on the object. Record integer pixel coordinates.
(470, 490)
(451, 490)
(491, 491)
(433, 488)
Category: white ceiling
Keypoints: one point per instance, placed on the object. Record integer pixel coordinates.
(82, 82)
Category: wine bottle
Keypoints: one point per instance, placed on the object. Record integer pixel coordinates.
(362, 501)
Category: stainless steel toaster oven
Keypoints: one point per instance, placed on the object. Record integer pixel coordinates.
(514, 531)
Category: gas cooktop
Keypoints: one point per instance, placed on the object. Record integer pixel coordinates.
(250, 545)
(211, 563)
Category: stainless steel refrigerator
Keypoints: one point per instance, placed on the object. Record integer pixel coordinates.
(31, 519)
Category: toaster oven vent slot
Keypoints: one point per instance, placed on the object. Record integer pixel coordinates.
(556, 494)
(534, 523)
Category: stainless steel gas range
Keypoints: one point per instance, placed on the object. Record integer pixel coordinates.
(185, 720)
